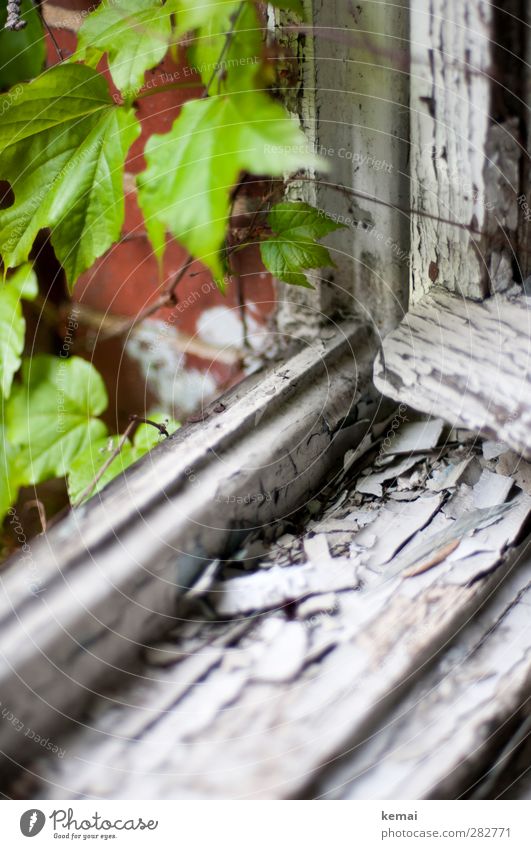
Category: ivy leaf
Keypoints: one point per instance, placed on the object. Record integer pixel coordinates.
(9, 474)
(62, 147)
(147, 436)
(85, 467)
(293, 248)
(22, 53)
(135, 35)
(192, 14)
(51, 415)
(300, 220)
(192, 169)
(23, 284)
(241, 54)
(88, 463)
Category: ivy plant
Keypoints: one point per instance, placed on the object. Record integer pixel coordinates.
(65, 136)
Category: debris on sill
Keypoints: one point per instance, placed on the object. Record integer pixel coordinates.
(420, 487)
(366, 578)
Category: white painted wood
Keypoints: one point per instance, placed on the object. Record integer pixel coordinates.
(352, 99)
(438, 743)
(525, 212)
(464, 164)
(260, 707)
(469, 363)
(111, 572)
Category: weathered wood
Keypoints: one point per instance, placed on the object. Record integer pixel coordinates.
(466, 362)
(109, 575)
(259, 707)
(465, 148)
(352, 98)
(524, 252)
(439, 742)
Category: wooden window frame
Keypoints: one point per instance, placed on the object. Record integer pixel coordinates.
(107, 578)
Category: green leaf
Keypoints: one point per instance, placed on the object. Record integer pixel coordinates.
(88, 463)
(192, 14)
(286, 259)
(192, 170)
(85, 467)
(62, 147)
(295, 219)
(24, 281)
(241, 53)
(51, 416)
(147, 436)
(9, 474)
(293, 247)
(22, 284)
(12, 332)
(135, 35)
(22, 53)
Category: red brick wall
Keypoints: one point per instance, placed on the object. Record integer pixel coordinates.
(189, 353)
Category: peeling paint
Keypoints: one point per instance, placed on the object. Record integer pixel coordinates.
(178, 389)
(221, 326)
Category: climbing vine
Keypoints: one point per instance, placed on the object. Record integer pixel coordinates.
(64, 139)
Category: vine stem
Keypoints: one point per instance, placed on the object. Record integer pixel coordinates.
(131, 427)
(112, 456)
(167, 297)
(53, 39)
(228, 40)
(373, 199)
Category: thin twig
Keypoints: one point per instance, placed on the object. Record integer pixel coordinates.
(114, 454)
(53, 39)
(162, 429)
(134, 421)
(228, 40)
(372, 199)
(167, 297)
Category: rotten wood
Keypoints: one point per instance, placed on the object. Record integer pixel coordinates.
(466, 362)
(113, 570)
(466, 147)
(316, 661)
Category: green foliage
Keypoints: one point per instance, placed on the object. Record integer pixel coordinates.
(22, 284)
(239, 66)
(192, 170)
(9, 474)
(51, 415)
(88, 464)
(63, 145)
(293, 248)
(22, 53)
(193, 14)
(66, 125)
(135, 35)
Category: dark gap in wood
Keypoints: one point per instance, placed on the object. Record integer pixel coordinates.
(509, 95)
